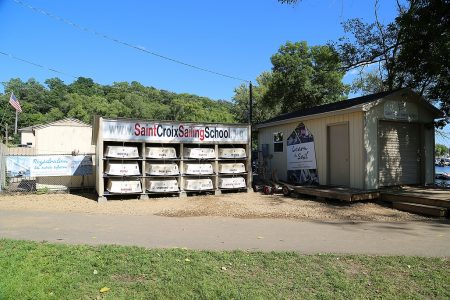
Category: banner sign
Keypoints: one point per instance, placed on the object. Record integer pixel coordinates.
(49, 165)
(172, 132)
(301, 157)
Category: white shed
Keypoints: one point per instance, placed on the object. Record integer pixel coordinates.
(368, 142)
(64, 136)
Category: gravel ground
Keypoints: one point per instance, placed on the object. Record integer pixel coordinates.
(239, 205)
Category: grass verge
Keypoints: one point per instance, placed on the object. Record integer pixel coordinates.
(31, 270)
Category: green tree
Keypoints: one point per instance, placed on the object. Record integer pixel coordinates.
(305, 76)
(54, 114)
(261, 111)
(85, 86)
(440, 150)
(368, 83)
(197, 109)
(424, 58)
(413, 51)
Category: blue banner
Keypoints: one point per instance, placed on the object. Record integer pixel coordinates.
(49, 165)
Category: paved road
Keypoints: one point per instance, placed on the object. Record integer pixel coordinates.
(215, 233)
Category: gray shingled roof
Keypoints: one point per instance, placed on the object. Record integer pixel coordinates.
(329, 107)
(39, 126)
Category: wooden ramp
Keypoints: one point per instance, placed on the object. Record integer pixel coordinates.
(423, 200)
(339, 193)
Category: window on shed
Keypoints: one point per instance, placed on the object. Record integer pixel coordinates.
(278, 142)
(265, 150)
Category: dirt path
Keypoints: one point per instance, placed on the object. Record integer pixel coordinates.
(219, 233)
(239, 205)
(249, 221)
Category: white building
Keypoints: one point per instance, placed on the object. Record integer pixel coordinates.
(67, 137)
(377, 140)
(64, 136)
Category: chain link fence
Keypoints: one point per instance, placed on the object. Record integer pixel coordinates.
(17, 165)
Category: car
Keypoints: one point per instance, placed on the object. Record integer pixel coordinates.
(444, 162)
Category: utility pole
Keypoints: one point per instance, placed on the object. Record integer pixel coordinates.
(250, 104)
(250, 117)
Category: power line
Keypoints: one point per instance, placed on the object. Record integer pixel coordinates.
(123, 43)
(35, 64)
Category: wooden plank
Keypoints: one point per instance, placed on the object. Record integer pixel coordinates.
(366, 196)
(322, 193)
(405, 197)
(427, 210)
(343, 194)
(426, 194)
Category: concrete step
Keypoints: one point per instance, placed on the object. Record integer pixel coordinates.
(427, 210)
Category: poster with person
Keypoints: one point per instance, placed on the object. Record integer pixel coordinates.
(301, 157)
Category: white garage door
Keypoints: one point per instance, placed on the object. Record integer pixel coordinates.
(398, 159)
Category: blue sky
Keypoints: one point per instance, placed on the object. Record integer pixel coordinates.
(234, 37)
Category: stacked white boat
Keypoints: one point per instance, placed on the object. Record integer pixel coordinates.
(124, 186)
(199, 153)
(232, 182)
(162, 170)
(124, 168)
(227, 168)
(162, 185)
(157, 169)
(232, 153)
(198, 184)
(198, 169)
(121, 152)
(231, 168)
(160, 152)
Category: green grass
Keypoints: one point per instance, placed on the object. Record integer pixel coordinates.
(31, 270)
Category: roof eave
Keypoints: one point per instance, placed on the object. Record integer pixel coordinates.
(420, 100)
(356, 108)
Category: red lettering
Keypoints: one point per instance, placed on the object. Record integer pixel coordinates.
(137, 129)
(202, 134)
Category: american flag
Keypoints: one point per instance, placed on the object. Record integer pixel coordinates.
(15, 103)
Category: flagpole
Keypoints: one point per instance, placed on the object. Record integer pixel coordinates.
(6, 134)
(15, 128)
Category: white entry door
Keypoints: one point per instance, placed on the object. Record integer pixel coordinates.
(339, 155)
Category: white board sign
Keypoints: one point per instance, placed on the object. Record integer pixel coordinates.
(301, 157)
(154, 131)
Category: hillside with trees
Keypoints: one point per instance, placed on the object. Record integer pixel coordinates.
(83, 99)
